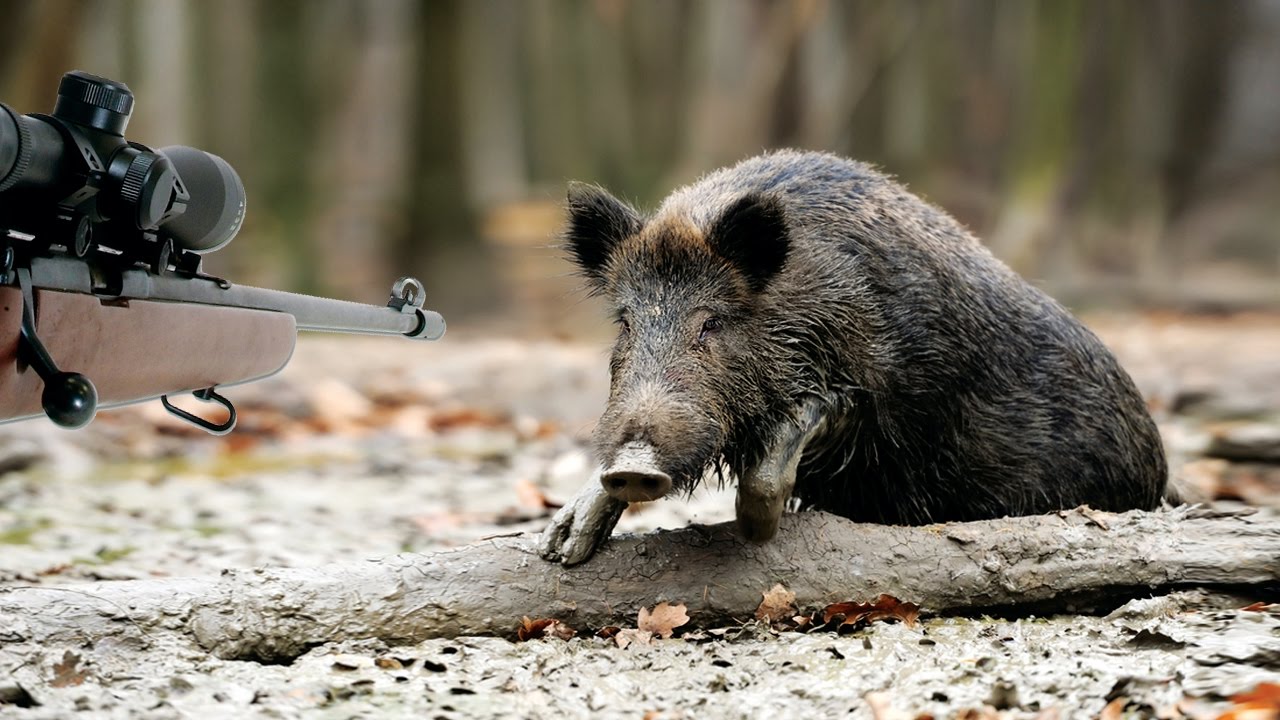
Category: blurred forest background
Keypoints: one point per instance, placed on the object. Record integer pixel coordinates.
(1116, 153)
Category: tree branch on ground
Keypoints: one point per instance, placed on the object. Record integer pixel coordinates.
(1037, 564)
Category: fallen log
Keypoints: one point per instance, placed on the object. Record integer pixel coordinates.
(274, 615)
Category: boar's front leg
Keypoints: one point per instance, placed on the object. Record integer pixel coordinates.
(763, 490)
(582, 526)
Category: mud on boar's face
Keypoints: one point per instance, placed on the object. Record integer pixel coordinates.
(686, 368)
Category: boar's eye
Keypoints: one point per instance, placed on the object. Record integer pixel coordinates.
(624, 325)
(710, 326)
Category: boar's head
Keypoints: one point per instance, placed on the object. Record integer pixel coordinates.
(691, 368)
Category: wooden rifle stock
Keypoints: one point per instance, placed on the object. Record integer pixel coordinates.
(138, 350)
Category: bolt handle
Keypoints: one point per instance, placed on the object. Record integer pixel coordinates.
(69, 399)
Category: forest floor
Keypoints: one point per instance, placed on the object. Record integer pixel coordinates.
(364, 448)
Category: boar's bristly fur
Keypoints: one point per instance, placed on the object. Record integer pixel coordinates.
(801, 302)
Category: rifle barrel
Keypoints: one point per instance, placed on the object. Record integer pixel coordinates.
(309, 312)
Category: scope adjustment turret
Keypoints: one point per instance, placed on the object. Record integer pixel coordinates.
(94, 101)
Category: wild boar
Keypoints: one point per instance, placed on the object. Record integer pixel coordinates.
(804, 324)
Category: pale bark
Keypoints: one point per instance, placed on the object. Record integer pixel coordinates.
(1040, 563)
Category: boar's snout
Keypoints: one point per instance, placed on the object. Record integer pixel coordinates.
(633, 476)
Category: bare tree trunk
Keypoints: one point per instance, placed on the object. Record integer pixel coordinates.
(1039, 562)
(738, 77)
(163, 72)
(228, 56)
(364, 156)
(492, 106)
(46, 34)
(102, 48)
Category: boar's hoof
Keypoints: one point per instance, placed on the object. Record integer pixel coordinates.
(633, 476)
(582, 526)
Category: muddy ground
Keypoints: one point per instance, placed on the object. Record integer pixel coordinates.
(367, 447)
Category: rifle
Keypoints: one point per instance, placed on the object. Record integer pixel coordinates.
(102, 298)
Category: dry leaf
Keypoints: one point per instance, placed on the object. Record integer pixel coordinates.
(778, 603)
(559, 630)
(453, 418)
(1260, 703)
(531, 628)
(886, 607)
(986, 712)
(1113, 709)
(628, 636)
(66, 673)
(663, 619)
(1260, 607)
(543, 628)
(1097, 517)
(608, 631)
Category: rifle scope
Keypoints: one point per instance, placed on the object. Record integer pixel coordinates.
(72, 177)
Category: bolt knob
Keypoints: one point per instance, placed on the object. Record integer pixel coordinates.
(69, 399)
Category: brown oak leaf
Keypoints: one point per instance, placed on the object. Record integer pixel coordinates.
(1114, 710)
(543, 628)
(886, 607)
(630, 635)
(1260, 703)
(663, 619)
(778, 603)
(67, 672)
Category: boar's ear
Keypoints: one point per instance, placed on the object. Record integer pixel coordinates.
(597, 223)
(752, 234)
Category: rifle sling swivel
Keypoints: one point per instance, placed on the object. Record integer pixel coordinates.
(205, 395)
